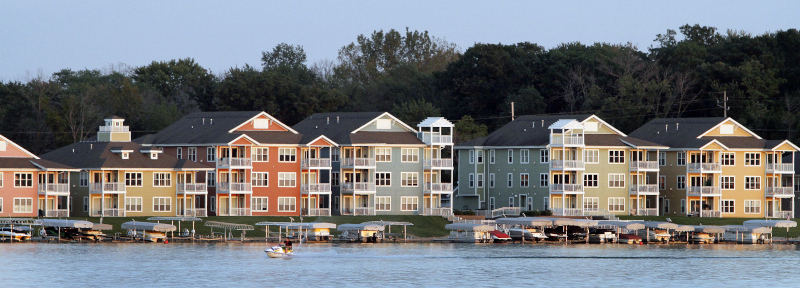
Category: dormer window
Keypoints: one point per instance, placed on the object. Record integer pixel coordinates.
(261, 123)
(125, 155)
(154, 156)
(726, 129)
(384, 124)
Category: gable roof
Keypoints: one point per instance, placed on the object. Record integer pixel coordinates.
(262, 113)
(18, 147)
(342, 128)
(527, 130)
(98, 155)
(435, 122)
(687, 133)
(735, 123)
(203, 128)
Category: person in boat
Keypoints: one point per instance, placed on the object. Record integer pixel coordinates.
(287, 245)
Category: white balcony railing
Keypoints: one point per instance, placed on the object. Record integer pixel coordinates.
(566, 188)
(228, 187)
(107, 187)
(644, 188)
(566, 140)
(318, 212)
(358, 162)
(704, 167)
(644, 212)
(567, 211)
(240, 212)
(439, 211)
(315, 163)
(315, 188)
(114, 128)
(192, 188)
(643, 165)
(502, 211)
(567, 164)
(704, 190)
(364, 211)
(57, 213)
(112, 212)
(781, 214)
(429, 138)
(438, 163)
(229, 162)
(438, 187)
(53, 188)
(358, 186)
(780, 168)
(195, 212)
(710, 213)
(780, 191)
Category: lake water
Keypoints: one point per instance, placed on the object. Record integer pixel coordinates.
(378, 265)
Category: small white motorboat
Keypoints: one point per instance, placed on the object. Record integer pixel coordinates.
(16, 234)
(278, 252)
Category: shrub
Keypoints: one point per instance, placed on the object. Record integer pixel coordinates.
(464, 212)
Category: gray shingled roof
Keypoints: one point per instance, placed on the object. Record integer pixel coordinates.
(528, 130)
(338, 131)
(98, 155)
(392, 138)
(677, 132)
(30, 163)
(612, 140)
(202, 128)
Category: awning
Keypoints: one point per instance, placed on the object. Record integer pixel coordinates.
(101, 227)
(771, 223)
(20, 221)
(584, 223)
(229, 226)
(360, 227)
(66, 223)
(389, 223)
(148, 226)
(709, 229)
(469, 227)
(747, 229)
(307, 225)
(623, 225)
(179, 218)
(659, 225)
(684, 228)
(526, 221)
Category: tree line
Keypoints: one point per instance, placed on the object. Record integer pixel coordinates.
(684, 73)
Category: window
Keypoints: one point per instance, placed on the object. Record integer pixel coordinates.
(1, 205)
(752, 182)
(287, 204)
(591, 204)
(133, 179)
(728, 158)
(524, 179)
(383, 154)
(211, 154)
(23, 179)
(752, 159)
(592, 156)
(683, 205)
(411, 179)
(162, 179)
(409, 203)
(383, 203)
(471, 180)
(591, 180)
(491, 156)
(259, 204)
(3, 145)
(662, 182)
(616, 204)
(125, 155)
(23, 205)
(662, 158)
(133, 204)
(666, 206)
(544, 180)
(383, 124)
(616, 156)
(491, 180)
(84, 179)
(409, 155)
(727, 182)
(479, 155)
(1, 183)
(383, 179)
(491, 203)
(287, 155)
(726, 206)
(480, 180)
(154, 156)
(616, 180)
(85, 204)
(211, 178)
(524, 156)
(192, 151)
(752, 206)
(681, 182)
(546, 203)
(510, 180)
(335, 178)
(162, 204)
(261, 154)
(471, 156)
(212, 203)
(335, 154)
(336, 203)
(591, 126)
(681, 158)
(261, 123)
(511, 202)
(287, 179)
(180, 153)
(726, 129)
(544, 156)
(260, 179)
(510, 156)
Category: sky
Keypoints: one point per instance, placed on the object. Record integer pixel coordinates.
(43, 37)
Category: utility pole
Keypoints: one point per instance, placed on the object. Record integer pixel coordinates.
(512, 111)
(724, 105)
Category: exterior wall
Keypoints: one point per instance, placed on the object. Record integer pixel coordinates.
(148, 191)
(78, 193)
(8, 192)
(603, 169)
(273, 167)
(373, 126)
(12, 151)
(396, 167)
(248, 126)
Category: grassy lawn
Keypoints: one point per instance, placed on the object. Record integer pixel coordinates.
(778, 232)
(424, 226)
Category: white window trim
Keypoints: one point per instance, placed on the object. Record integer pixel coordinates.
(479, 180)
(282, 175)
(414, 154)
(678, 182)
(211, 154)
(756, 177)
(281, 152)
(179, 153)
(389, 174)
(720, 182)
(546, 176)
(141, 177)
(265, 178)
(168, 179)
(624, 179)
(21, 173)
(752, 201)
(610, 199)
(586, 155)
(721, 210)
(523, 159)
(520, 180)
(544, 158)
(255, 152)
(389, 203)
(510, 156)
(140, 204)
(678, 159)
(404, 201)
(471, 180)
(284, 210)
(662, 182)
(752, 153)
(86, 204)
(189, 154)
(616, 156)
(596, 203)
(168, 204)
(510, 180)
(491, 180)
(265, 204)
(14, 203)
(590, 174)
(491, 156)
(471, 156)
(387, 156)
(662, 158)
(403, 177)
(722, 161)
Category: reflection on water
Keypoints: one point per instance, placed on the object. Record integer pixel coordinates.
(399, 265)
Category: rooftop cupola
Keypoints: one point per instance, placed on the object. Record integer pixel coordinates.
(114, 131)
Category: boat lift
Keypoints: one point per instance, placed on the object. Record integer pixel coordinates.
(229, 227)
(288, 225)
(179, 219)
(30, 222)
(390, 224)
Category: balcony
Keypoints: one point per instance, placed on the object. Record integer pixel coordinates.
(644, 166)
(317, 212)
(191, 188)
(114, 129)
(358, 163)
(194, 212)
(567, 212)
(107, 187)
(781, 214)
(234, 163)
(45, 188)
(434, 139)
(315, 163)
(644, 212)
(234, 188)
(704, 191)
(112, 212)
(710, 213)
(566, 188)
(568, 141)
(443, 211)
(438, 187)
(57, 213)
(363, 211)
(780, 191)
(358, 187)
(439, 163)
(644, 189)
(315, 188)
(239, 212)
(567, 165)
(704, 167)
(780, 168)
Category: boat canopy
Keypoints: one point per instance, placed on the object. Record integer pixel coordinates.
(149, 226)
(526, 221)
(621, 224)
(469, 227)
(101, 227)
(684, 228)
(771, 223)
(64, 223)
(229, 226)
(306, 225)
(583, 223)
(360, 227)
(389, 223)
(747, 229)
(20, 221)
(179, 218)
(709, 229)
(659, 225)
